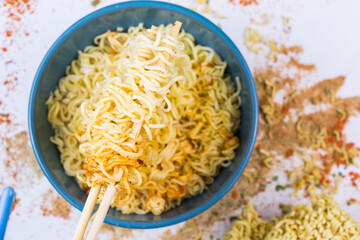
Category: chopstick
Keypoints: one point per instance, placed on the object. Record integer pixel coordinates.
(111, 189)
(103, 209)
(86, 212)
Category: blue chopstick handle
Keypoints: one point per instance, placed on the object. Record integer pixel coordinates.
(6, 201)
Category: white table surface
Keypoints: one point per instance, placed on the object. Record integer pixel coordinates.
(328, 31)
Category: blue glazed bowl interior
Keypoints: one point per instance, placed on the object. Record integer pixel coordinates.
(80, 35)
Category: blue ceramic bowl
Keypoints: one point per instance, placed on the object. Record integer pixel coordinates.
(81, 34)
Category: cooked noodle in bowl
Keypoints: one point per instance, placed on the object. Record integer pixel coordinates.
(187, 111)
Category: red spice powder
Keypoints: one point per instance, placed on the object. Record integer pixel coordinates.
(235, 194)
(285, 110)
(350, 145)
(11, 81)
(289, 153)
(244, 2)
(12, 28)
(248, 2)
(4, 118)
(353, 177)
(14, 10)
(17, 7)
(8, 33)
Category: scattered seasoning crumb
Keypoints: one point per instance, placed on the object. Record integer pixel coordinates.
(353, 177)
(285, 209)
(95, 3)
(202, 1)
(289, 153)
(8, 33)
(4, 118)
(326, 91)
(262, 187)
(352, 201)
(243, 2)
(281, 187)
(54, 205)
(235, 194)
(307, 67)
(287, 27)
(265, 20)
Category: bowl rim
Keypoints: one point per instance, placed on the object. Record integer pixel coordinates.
(165, 6)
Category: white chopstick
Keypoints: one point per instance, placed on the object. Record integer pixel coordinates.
(86, 213)
(103, 209)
